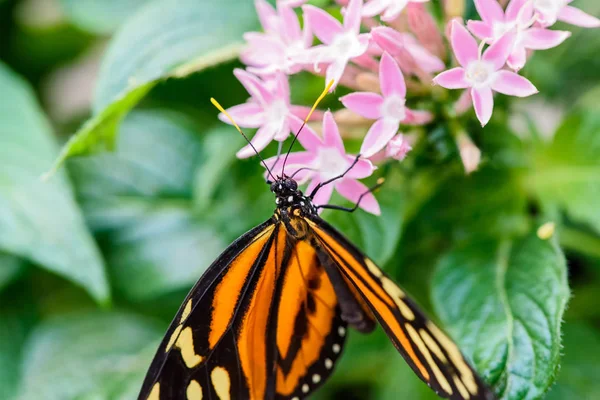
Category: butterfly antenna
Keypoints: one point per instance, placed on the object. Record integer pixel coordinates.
(220, 108)
(323, 94)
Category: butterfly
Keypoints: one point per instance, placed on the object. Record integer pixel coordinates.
(269, 318)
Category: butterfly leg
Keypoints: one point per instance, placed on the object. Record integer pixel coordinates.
(352, 209)
(335, 178)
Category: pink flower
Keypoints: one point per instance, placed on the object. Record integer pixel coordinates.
(396, 43)
(398, 147)
(291, 3)
(342, 43)
(518, 18)
(325, 159)
(483, 74)
(549, 11)
(388, 9)
(283, 46)
(268, 110)
(388, 109)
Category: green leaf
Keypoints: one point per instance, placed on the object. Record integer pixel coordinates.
(139, 201)
(17, 317)
(580, 366)
(10, 268)
(40, 221)
(166, 39)
(100, 16)
(566, 172)
(489, 202)
(503, 302)
(90, 356)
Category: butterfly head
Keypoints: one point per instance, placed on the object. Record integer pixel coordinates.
(287, 194)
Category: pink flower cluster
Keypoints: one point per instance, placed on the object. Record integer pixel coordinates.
(381, 50)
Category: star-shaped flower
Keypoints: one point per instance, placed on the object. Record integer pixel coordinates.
(388, 9)
(549, 11)
(282, 47)
(269, 110)
(341, 42)
(519, 17)
(325, 158)
(483, 74)
(388, 108)
(397, 43)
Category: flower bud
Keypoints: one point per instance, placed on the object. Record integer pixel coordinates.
(454, 9)
(398, 147)
(469, 153)
(423, 25)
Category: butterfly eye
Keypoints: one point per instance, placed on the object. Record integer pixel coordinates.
(291, 184)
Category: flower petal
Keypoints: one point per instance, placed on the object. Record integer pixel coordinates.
(417, 117)
(247, 115)
(366, 104)
(331, 133)
(282, 131)
(308, 138)
(353, 190)
(302, 112)
(454, 78)
(261, 139)
(464, 45)
(490, 10)
(294, 161)
(575, 16)
(483, 101)
(481, 29)
(424, 59)
(254, 86)
(543, 39)
(387, 39)
(290, 26)
(374, 7)
(362, 169)
(323, 195)
(378, 136)
(352, 16)
(512, 84)
(335, 70)
(517, 58)
(391, 79)
(323, 25)
(266, 15)
(498, 52)
(513, 8)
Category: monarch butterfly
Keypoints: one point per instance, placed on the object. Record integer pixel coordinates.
(269, 318)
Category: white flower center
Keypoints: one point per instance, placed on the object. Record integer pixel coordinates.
(393, 107)
(276, 112)
(346, 45)
(330, 163)
(479, 74)
(500, 28)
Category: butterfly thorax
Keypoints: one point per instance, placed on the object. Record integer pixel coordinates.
(291, 204)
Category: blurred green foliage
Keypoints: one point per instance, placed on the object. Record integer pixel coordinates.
(95, 261)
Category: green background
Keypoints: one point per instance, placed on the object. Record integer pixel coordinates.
(95, 260)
